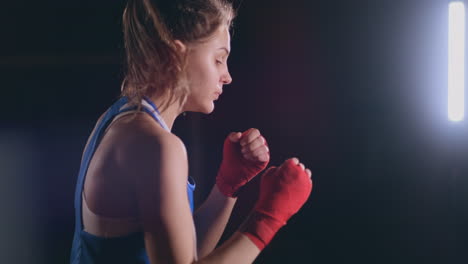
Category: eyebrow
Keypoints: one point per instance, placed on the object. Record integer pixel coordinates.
(225, 49)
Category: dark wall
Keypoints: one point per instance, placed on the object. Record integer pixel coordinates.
(355, 89)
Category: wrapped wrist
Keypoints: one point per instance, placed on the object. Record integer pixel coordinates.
(226, 189)
(260, 228)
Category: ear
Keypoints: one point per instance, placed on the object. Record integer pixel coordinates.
(180, 46)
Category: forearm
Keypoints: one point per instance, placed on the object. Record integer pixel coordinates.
(238, 249)
(211, 219)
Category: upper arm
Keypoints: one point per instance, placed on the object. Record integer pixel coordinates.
(161, 171)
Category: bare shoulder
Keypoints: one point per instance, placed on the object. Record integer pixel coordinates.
(156, 161)
(145, 144)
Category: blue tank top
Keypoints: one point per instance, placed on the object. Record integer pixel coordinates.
(91, 249)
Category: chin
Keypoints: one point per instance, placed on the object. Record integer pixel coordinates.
(207, 108)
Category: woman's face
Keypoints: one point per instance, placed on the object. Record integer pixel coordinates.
(207, 71)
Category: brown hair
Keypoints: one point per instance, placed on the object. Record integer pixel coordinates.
(150, 27)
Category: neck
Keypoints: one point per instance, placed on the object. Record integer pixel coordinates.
(170, 113)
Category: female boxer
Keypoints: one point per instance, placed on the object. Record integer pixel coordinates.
(133, 197)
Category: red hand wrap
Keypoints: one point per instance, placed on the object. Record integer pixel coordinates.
(235, 170)
(283, 191)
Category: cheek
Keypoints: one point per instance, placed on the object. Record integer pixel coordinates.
(202, 76)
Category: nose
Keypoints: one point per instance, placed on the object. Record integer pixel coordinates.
(226, 78)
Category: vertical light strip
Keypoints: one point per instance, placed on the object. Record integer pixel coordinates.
(456, 61)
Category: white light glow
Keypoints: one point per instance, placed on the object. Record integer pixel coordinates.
(456, 61)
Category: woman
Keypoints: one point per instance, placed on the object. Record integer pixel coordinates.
(133, 199)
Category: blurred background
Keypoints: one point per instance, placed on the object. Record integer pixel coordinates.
(356, 89)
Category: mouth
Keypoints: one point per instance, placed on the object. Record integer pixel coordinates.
(218, 94)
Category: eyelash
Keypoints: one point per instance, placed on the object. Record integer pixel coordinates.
(218, 62)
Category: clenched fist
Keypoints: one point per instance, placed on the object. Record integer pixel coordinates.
(244, 156)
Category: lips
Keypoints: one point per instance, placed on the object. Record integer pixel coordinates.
(218, 93)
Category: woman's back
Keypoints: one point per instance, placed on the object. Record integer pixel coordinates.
(109, 190)
(108, 226)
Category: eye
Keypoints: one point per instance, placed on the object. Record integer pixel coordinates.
(219, 62)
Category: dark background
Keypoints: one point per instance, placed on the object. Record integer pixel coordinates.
(355, 89)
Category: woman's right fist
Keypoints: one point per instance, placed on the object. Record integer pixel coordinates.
(283, 191)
